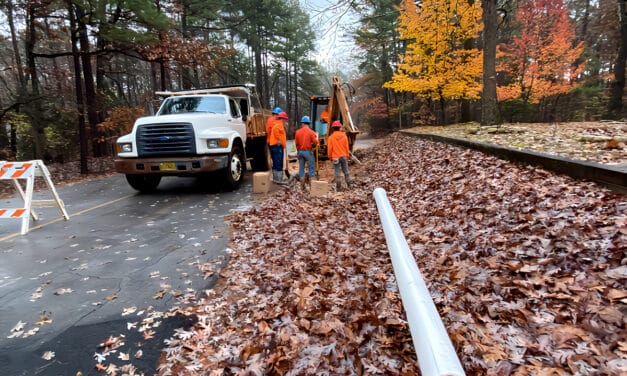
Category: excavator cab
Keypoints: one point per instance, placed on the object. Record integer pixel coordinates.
(324, 110)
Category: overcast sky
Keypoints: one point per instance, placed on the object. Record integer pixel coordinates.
(333, 24)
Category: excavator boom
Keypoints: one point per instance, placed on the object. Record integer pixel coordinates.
(325, 110)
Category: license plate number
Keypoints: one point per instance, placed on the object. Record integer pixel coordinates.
(168, 166)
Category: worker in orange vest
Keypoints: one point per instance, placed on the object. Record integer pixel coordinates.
(278, 143)
(324, 116)
(270, 122)
(338, 151)
(305, 139)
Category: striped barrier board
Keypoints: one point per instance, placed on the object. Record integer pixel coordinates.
(16, 171)
(13, 213)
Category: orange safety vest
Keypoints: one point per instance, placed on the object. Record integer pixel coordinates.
(305, 138)
(278, 134)
(269, 124)
(338, 145)
(324, 116)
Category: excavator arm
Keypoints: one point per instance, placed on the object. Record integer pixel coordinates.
(337, 106)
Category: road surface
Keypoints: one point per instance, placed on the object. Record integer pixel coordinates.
(116, 268)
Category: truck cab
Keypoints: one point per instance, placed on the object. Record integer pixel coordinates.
(195, 132)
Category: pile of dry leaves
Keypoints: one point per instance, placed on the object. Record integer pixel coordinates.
(527, 270)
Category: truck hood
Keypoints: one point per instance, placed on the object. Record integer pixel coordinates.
(193, 117)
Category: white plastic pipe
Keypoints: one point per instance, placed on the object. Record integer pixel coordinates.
(435, 352)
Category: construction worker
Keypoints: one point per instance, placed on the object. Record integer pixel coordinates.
(305, 140)
(338, 151)
(324, 116)
(270, 122)
(278, 143)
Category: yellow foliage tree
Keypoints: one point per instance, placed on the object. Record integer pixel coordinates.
(439, 63)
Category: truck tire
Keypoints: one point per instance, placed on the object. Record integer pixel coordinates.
(258, 151)
(143, 182)
(234, 172)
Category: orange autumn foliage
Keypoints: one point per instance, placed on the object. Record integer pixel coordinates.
(542, 60)
(119, 121)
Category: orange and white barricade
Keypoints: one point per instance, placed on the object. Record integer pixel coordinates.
(16, 171)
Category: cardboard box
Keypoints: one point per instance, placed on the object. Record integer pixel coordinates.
(319, 188)
(261, 182)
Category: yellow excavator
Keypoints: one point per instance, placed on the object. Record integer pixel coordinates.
(324, 110)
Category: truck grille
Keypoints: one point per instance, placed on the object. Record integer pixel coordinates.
(169, 139)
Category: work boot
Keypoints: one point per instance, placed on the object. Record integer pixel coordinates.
(338, 186)
(303, 182)
(277, 177)
(349, 183)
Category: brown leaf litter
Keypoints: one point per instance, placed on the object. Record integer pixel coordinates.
(526, 268)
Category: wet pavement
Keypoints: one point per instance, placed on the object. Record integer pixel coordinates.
(118, 269)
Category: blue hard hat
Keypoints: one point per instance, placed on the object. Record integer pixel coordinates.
(305, 119)
(277, 110)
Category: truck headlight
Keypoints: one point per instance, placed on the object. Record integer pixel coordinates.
(125, 147)
(214, 143)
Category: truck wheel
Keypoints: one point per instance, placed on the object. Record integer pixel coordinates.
(143, 182)
(260, 156)
(234, 172)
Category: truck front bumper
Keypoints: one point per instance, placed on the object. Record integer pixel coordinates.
(171, 166)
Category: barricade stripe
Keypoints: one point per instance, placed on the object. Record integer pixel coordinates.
(25, 168)
(18, 213)
(2, 211)
(5, 169)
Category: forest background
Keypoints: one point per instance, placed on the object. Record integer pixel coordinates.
(75, 74)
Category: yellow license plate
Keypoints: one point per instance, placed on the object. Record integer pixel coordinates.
(169, 166)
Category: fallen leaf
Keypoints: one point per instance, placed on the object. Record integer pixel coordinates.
(148, 334)
(128, 311)
(159, 295)
(19, 326)
(48, 355)
(44, 319)
(63, 291)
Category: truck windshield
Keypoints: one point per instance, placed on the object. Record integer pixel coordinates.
(180, 105)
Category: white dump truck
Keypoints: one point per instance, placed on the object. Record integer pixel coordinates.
(211, 132)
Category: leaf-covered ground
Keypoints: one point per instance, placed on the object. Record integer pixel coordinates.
(527, 269)
(602, 142)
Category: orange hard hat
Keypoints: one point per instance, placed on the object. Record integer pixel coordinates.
(282, 115)
(336, 124)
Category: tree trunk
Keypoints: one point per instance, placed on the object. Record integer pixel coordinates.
(82, 131)
(259, 78)
(33, 109)
(102, 86)
(163, 73)
(16, 51)
(615, 109)
(489, 103)
(21, 78)
(90, 90)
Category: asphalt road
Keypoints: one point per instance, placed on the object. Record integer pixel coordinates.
(115, 268)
